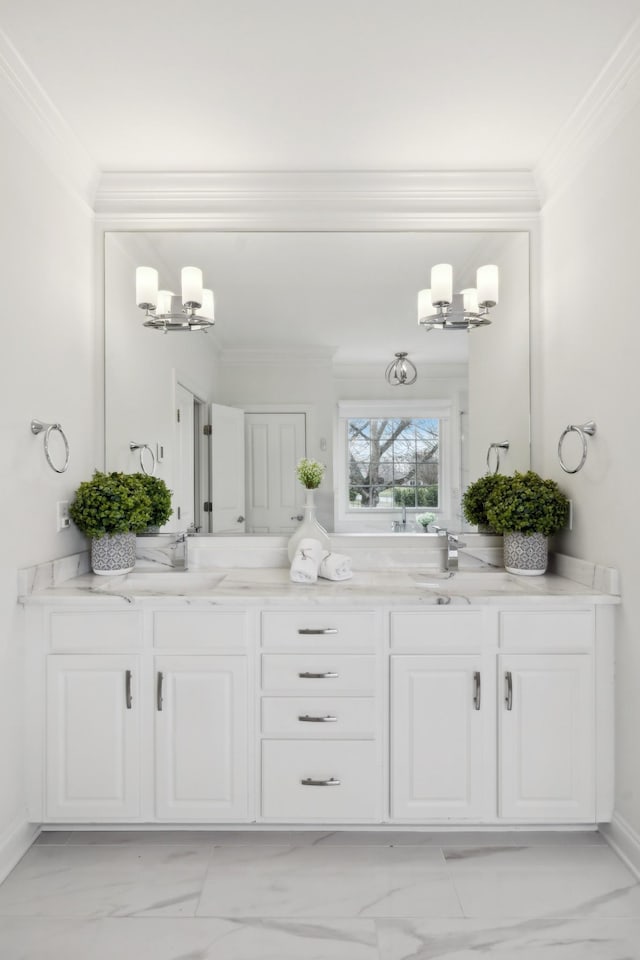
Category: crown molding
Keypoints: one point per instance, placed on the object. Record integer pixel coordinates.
(25, 103)
(613, 93)
(315, 200)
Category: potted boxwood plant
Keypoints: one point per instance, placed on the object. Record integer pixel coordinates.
(110, 509)
(475, 498)
(160, 497)
(526, 509)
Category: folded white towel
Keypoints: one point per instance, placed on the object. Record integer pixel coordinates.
(306, 560)
(335, 566)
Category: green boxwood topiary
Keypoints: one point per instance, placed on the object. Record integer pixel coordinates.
(160, 496)
(111, 503)
(475, 498)
(528, 504)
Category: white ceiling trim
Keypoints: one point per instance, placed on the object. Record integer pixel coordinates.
(29, 108)
(315, 201)
(613, 93)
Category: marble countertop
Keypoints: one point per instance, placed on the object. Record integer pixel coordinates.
(272, 587)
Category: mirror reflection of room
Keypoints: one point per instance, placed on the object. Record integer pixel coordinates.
(306, 324)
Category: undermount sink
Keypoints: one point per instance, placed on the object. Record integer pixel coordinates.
(470, 581)
(177, 583)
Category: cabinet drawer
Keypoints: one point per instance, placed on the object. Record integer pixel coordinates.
(320, 629)
(349, 766)
(323, 717)
(437, 629)
(103, 630)
(546, 630)
(199, 630)
(318, 673)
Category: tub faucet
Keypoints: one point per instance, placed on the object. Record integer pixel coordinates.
(400, 526)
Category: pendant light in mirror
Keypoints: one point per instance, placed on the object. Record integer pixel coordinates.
(439, 308)
(166, 311)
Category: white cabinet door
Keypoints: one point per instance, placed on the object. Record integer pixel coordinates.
(437, 737)
(93, 737)
(546, 737)
(201, 738)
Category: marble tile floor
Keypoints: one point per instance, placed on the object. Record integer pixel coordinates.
(243, 895)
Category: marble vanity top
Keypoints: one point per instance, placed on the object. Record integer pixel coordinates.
(272, 586)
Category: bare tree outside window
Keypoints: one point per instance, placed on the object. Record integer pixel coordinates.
(393, 462)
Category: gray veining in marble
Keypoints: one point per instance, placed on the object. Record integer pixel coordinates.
(319, 895)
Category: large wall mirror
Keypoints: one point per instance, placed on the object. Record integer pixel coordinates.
(306, 324)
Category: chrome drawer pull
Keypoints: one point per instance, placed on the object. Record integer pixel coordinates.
(329, 675)
(160, 678)
(320, 632)
(508, 696)
(307, 719)
(310, 782)
(127, 689)
(477, 690)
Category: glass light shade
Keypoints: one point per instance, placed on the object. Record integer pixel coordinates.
(191, 286)
(146, 286)
(470, 300)
(425, 304)
(442, 283)
(487, 280)
(164, 303)
(206, 310)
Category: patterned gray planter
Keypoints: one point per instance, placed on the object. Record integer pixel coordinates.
(525, 554)
(115, 554)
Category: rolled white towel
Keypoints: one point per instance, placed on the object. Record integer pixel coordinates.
(335, 566)
(306, 560)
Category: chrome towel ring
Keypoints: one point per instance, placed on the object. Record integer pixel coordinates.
(584, 430)
(497, 447)
(37, 426)
(142, 447)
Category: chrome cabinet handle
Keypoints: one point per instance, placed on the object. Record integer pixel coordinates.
(329, 675)
(508, 695)
(128, 699)
(310, 782)
(159, 690)
(312, 632)
(477, 690)
(308, 719)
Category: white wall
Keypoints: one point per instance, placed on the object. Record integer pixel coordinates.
(48, 366)
(587, 355)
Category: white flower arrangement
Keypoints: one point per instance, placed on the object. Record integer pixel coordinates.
(310, 473)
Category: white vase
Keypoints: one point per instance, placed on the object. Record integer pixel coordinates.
(309, 527)
(525, 554)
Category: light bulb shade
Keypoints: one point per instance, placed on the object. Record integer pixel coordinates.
(470, 300)
(487, 281)
(425, 304)
(206, 310)
(192, 286)
(146, 287)
(442, 283)
(163, 307)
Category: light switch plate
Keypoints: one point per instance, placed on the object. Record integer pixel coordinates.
(63, 521)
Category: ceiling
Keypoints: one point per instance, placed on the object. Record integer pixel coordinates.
(308, 85)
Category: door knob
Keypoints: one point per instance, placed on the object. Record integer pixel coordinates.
(240, 519)
(299, 516)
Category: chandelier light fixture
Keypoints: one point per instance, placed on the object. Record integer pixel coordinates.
(401, 372)
(165, 311)
(442, 309)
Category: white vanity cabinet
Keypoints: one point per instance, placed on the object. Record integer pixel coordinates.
(93, 736)
(321, 716)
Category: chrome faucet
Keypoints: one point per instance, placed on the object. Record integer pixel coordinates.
(453, 545)
(400, 526)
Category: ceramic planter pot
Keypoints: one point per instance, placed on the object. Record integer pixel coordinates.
(525, 554)
(111, 555)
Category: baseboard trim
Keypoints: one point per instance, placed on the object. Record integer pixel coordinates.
(14, 844)
(622, 838)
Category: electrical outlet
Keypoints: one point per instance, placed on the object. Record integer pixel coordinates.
(62, 513)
